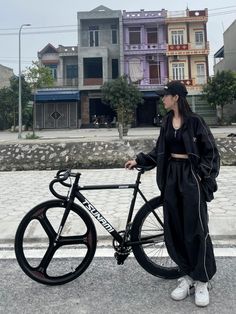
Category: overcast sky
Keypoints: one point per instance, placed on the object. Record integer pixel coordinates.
(54, 21)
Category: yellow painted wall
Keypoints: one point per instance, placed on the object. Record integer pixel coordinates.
(193, 27)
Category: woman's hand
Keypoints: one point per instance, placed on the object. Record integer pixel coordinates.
(130, 164)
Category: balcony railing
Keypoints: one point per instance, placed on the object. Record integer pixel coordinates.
(144, 14)
(152, 83)
(147, 47)
(187, 48)
(66, 82)
(93, 81)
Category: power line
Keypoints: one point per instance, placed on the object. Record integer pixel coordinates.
(222, 8)
(75, 30)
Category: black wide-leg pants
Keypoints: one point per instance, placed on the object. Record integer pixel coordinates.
(186, 222)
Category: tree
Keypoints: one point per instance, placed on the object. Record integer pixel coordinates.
(9, 103)
(38, 76)
(123, 96)
(220, 90)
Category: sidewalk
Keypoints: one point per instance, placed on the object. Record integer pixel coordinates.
(101, 134)
(22, 190)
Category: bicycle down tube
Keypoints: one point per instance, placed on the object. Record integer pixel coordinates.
(95, 212)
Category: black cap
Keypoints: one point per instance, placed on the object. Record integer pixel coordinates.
(175, 88)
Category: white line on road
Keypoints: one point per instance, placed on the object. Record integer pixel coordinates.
(100, 252)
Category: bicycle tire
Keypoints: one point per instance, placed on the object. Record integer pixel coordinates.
(49, 262)
(152, 256)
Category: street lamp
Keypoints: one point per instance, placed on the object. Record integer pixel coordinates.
(20, 107)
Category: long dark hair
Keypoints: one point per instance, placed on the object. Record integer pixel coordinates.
(184, 107)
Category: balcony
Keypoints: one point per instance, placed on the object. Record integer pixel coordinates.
(187, 16)
(72, 82)
(148, 83)
(143, 15)
(66, 82)
(93, 81)
(188, 49)
(144, 48)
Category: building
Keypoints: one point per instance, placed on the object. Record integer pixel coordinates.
(145, 60)
(5, 75)
(100, 59)
(59, 107)
(225, 57)
(187, 55)
(151, 47)
(188, 48)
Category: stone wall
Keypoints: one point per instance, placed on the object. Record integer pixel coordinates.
(39, 155)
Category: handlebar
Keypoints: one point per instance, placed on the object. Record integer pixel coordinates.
(61, 177)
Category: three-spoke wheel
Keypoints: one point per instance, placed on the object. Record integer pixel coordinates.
(51, 259)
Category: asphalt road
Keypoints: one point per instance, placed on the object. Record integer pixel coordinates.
(108, 288)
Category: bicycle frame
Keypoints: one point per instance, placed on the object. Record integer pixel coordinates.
(75, 193)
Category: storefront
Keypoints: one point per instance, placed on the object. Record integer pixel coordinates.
(57, 109)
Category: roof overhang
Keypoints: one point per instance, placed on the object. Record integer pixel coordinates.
(150, 94)
(54, 95)
(219, 53)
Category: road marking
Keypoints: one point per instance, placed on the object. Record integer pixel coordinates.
(100, 252)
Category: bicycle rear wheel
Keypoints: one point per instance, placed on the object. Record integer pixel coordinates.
(50, 261)
(150, 250)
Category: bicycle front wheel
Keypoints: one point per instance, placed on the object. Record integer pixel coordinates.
(149, 248)
(49, 259)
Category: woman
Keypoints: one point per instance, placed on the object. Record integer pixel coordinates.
(187, 163)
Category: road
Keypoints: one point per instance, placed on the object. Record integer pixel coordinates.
(108, 288)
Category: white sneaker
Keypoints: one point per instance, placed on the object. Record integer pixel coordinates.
(201, 294)
(183, 288)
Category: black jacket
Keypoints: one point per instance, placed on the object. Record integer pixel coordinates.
(200, 147)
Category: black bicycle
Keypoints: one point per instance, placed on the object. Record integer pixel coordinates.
(63, 237)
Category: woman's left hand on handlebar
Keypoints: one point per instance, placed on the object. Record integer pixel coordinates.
(130, 164)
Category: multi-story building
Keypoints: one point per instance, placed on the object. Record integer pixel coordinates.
(100, 59)
(188, 48)
(59, 107)
(187, 55)
(145, 57)
(151, 47)
(225, 57)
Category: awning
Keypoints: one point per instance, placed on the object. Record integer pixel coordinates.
(54, 95)
(219, 53)
(150, 94)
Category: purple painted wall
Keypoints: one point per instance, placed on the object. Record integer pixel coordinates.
(140, 59)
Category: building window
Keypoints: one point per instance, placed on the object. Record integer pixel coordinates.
(177, 37)
(93, 36)
(114, 34)
(152, 36)
(115, 69)
(134, 35)
(199, 38)
(53, 68)
(178, 71)
(92, 67)
(201, 73)
(71, 71)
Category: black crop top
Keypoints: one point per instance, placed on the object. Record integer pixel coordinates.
(174, 140)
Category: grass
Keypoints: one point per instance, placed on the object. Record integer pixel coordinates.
(31, 136)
